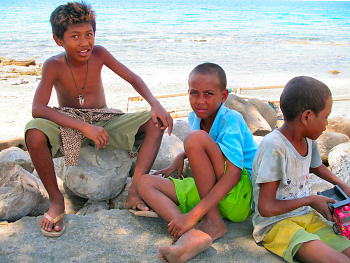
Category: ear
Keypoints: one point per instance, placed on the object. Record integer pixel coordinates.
(305, 116)
(58, 41)
(224, 95)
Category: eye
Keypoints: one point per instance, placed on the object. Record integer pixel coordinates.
(193, 92)
(89, 34)
(75, 36)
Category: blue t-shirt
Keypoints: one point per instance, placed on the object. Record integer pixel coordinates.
(233, 136)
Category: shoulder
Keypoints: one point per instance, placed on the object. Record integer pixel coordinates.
(232, 115)
(53, 64)
(55, 60)
(232, 119)
(99, 49)
(272, 142)
(100, 52)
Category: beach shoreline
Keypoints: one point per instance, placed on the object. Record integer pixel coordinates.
(17, 91)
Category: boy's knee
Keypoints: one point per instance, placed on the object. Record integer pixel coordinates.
(144, 182)
(150, 127)
(35, 138)
(195, 138)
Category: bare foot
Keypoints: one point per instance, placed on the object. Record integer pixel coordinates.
(134, 201)
(214, 228)
(56, 208)
(187, 246)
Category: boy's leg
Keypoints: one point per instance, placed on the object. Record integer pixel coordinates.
(146, 156)
(317, 251)
(160, 195)
(37, 144)
(207, 165)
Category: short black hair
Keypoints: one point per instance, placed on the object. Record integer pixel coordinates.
(70, 14)
(303, 93)
(213, 69)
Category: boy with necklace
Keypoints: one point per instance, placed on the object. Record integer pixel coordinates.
(220, 150)
(283, 220)
(83, 116)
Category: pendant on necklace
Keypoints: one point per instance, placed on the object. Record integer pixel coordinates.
(81, 100)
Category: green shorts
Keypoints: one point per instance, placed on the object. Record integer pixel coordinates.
(122, 130)
(235, 206)
(286, 237)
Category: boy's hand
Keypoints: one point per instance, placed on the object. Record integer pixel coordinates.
(181, 224)
(319, 203)
(159, 113)
(176, 165)
(97, 134)
(345, 188)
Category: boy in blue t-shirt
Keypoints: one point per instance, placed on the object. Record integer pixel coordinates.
(220, 150)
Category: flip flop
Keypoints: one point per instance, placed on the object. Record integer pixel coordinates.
(54, 233)
(138, 212)
(143, 213)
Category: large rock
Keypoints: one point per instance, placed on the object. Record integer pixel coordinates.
(119, 201)
(17, 156)
(181, 129)
(268, 113)
(329, 140)
(20, 193)
(92, 207)
(119, 236)
(339, 161)
(339, 124)
(256, 123)
(94, 180)
(171, 146)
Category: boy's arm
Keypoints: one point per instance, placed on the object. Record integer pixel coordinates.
(157, 110)
(183, 223)
(176, 165)
(40, 108)
(323, 172)
(269, 206)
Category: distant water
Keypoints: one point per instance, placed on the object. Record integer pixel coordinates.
(256, 42)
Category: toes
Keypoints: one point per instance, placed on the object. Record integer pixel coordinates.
(142, 207)
(46, 225)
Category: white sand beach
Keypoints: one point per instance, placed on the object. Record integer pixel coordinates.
(17, 91)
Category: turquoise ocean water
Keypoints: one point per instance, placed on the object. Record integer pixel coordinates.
(256, 42)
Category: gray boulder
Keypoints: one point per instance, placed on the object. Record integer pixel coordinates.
(100, 175)
(339, 124)
(171, 146)
(256, 123)
(119, 201)
(20, 193)
(181, 128)
(268, 113)
(93, 207)
(17, 156)
(339, 161)
(329, 140)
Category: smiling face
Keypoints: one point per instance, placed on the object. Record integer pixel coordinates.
(205, 96)
(78, 42)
